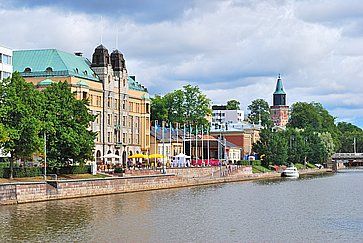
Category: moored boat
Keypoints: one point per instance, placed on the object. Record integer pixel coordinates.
(290, 172)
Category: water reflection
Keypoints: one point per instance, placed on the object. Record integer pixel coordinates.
(312, 208)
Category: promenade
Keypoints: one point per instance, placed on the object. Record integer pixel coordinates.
(25, 192)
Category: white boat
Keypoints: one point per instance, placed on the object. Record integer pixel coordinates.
(290, 172)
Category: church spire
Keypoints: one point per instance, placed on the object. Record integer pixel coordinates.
(279, 96)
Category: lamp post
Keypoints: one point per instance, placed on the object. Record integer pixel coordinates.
(155, 145)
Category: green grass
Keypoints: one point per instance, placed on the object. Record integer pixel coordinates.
(310, 165)
(259, 169)
(299, 166)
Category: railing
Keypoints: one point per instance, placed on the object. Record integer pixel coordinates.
(347, 155)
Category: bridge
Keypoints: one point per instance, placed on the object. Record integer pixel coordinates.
(343, 160)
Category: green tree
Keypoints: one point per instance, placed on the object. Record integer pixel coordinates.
(67, 124)
(297, 152)
(348, 134)
(233, 105)
(159, 109)
(313, 116)
(272, 147)
(259, 110)
(19, 115)
(188, 105)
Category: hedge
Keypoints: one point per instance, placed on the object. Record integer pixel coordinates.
(19, 172)
(249, 162)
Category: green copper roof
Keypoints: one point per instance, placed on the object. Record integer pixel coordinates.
(45, 82)
(134, 85)
(51, 63)
(279, 87)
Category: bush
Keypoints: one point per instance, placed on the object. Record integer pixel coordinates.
(119, 170)
(79, 169)
(21, 172)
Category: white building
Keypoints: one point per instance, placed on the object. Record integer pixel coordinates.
(6, 62)
(220, 115)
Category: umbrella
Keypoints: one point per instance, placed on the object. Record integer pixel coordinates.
(156, 156)
(138, 156)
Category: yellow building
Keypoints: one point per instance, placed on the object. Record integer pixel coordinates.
(122, 115)
(139, 117)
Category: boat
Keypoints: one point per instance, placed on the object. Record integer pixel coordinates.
(290, 172)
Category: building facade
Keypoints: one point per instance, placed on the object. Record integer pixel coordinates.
(220, 115)
(104, 82)
(279, 110)
(6, 62)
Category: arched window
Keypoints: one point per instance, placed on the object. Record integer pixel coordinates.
(76, 70)
(49, 69)
(85, 72)
(27, 70)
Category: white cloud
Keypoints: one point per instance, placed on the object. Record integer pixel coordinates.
(231, 49)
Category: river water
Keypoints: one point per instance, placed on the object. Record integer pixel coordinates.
(318, 208)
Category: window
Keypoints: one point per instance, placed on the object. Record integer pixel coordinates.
(109, 79)
(124, 121)
(90, 100)
(27, 70)
(76, 70)
(109, 102)
(109, 137)
(123, 138)
(6, 75)
(85, 73)
(49, 70)
(124, 82)
(115, 120)
(84, 95)
(6, 59)
(109, 119)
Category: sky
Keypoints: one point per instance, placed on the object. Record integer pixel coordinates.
(231, 49)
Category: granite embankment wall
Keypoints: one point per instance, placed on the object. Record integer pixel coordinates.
(12, 193)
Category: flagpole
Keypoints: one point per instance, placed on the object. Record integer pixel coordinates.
(184, 139)
(162, 137)
(208, 146)
(170, 150)
(190, 143)
(156, 147)
(202, 148)
(196, 144)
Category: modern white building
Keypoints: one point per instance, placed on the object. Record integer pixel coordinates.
(220, 115)
(6, 62)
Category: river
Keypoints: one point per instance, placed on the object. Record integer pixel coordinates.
(315, 208)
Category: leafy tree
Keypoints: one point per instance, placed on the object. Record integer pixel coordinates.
(67, 124)
(259, 109)
(314, 117)
(233, 105)
(188, 105)
(19, 115)
(272, 147)
(159, 109)
(297, 152)
(348, 127)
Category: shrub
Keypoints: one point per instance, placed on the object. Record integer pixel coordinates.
(21, 172)
(119, 170)
(76, 169)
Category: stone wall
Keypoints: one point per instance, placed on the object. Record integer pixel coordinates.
(13, 193)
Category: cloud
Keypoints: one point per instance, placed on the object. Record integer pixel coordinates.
(231, 49)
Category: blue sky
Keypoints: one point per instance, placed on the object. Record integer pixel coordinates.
(231, 49)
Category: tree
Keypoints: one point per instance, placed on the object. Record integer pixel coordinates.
(259, 110)
(272, 147)
(67, 125)
(297, 152)
(313, 116)
(233, 105)
(159, 110)
(348, 134)
(19, 115)
(188, 106)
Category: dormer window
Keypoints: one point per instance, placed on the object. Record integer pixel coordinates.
(27, 70)
(85, 73)
(76, 70)
(49, 70)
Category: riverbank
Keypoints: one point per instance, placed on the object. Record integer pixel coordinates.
(25, 192)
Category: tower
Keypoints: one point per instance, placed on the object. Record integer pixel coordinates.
(279, 109)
